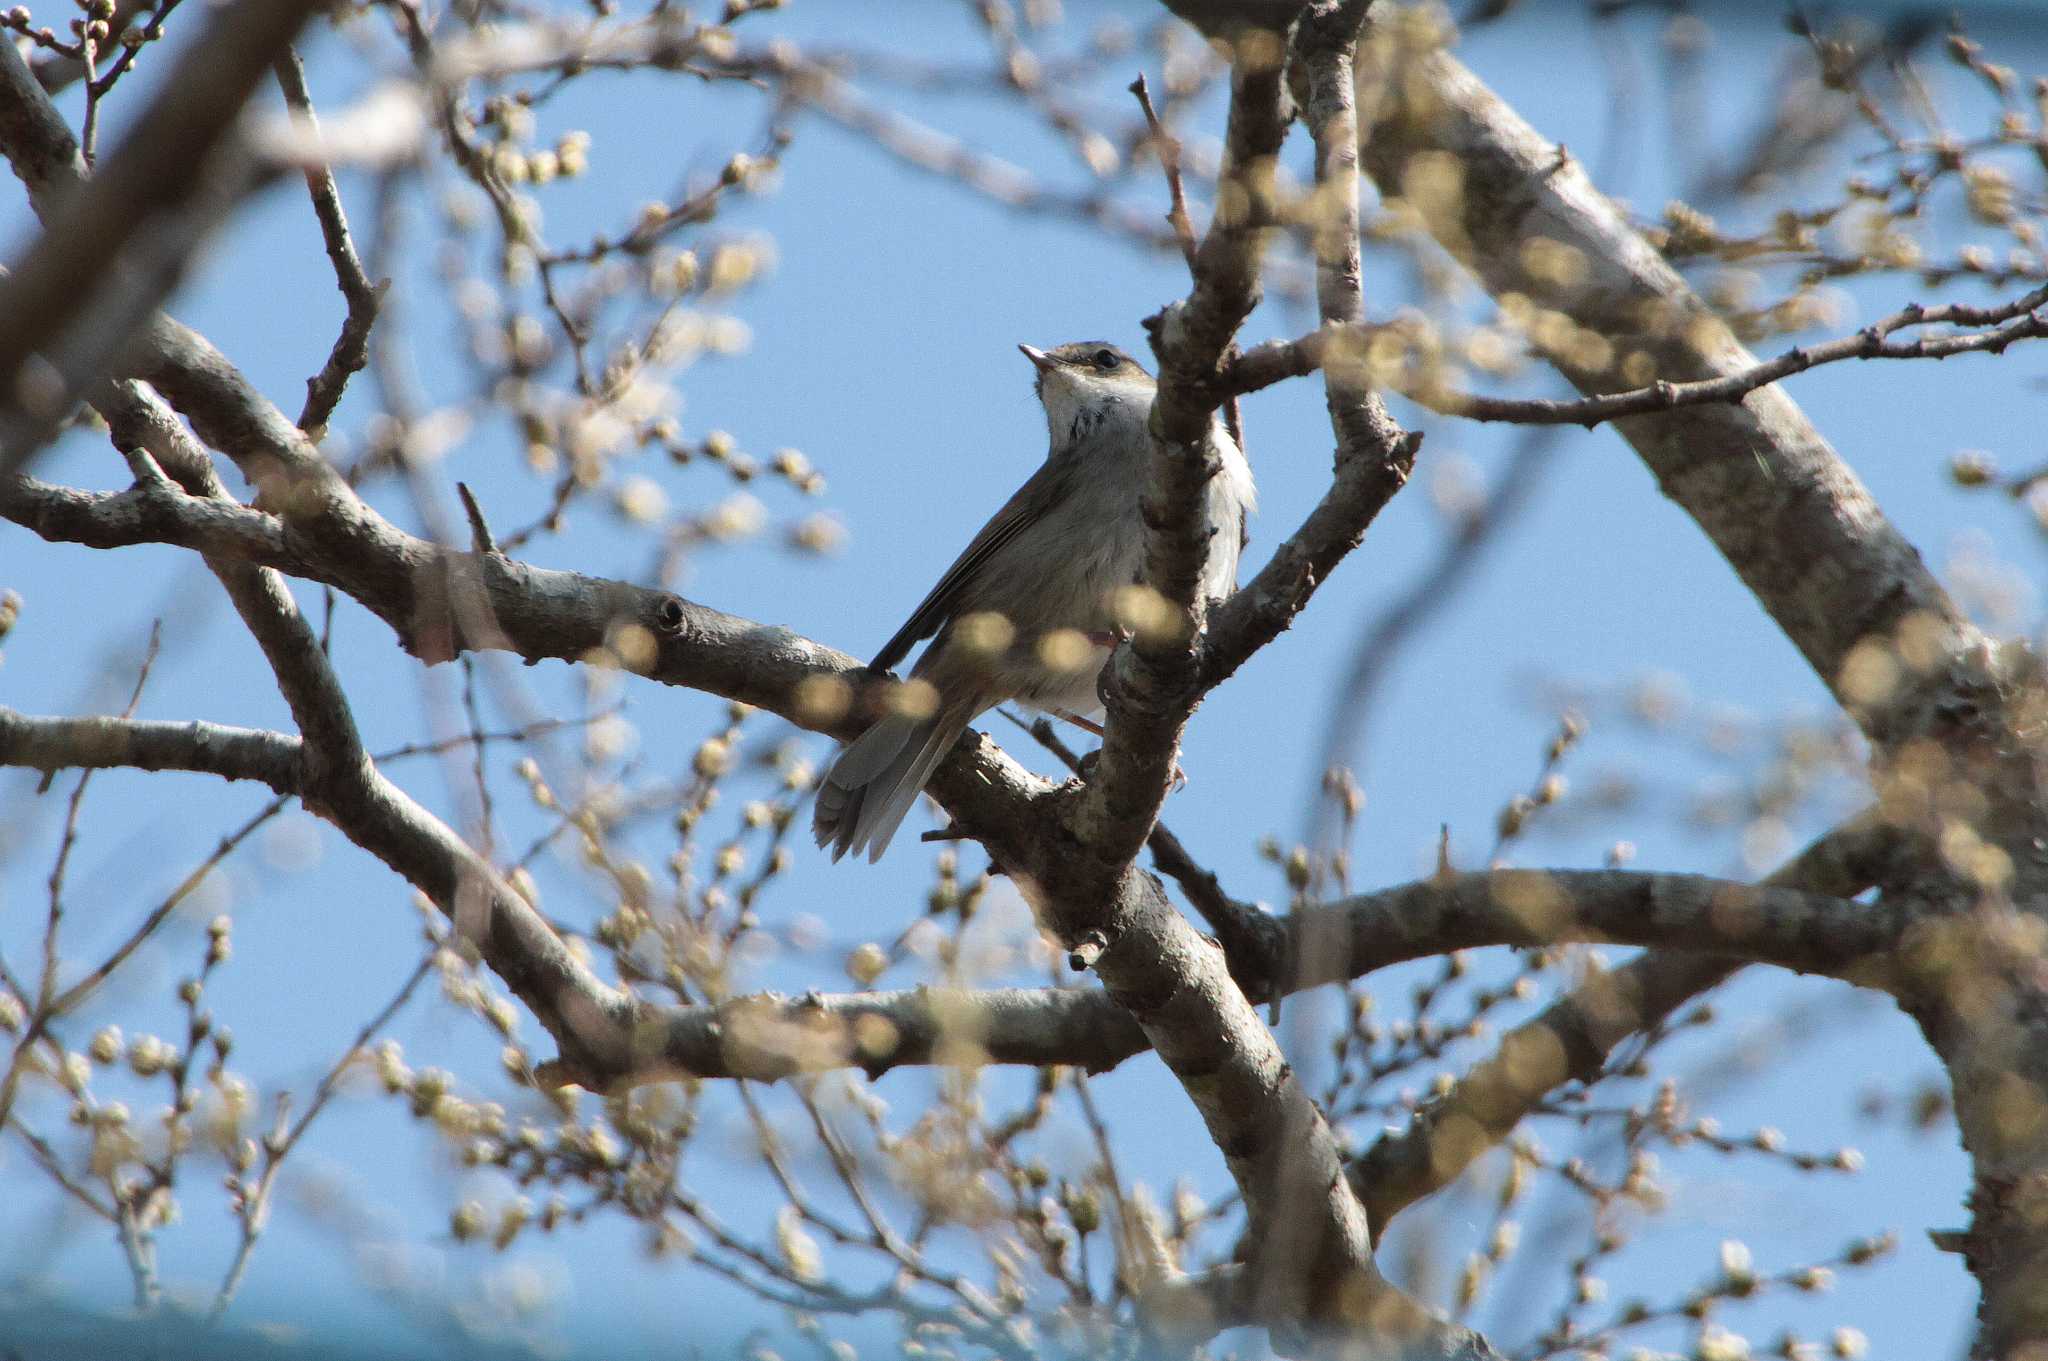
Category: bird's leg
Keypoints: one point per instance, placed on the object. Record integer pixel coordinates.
(1112, 639)
(1084, 724)
(1085, 766)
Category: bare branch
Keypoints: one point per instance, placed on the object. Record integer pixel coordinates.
(1167, 147)
(1788, 514)
(1149, 685)
(1995, 330)
(1316, 1277)
(1571, 1039)
(115, 249)
(1374, 456)
(352, 347)
(769, 1037)
(104, 743)
(1805, 932)
(35, 138)
(150, 513)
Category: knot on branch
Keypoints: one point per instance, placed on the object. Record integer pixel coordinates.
(1082, 955)
(669, 615)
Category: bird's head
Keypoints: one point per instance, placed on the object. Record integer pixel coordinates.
(1085, 383)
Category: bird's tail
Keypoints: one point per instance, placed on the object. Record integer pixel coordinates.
(871, 785)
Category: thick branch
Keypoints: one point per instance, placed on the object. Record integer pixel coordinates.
(1081, 879)
(1805, 932)
(768, 1037)
(35, 138)
(1787, 513)
(1845, 587)
(1150, 689)
(535, 612)
(1314, 1278)
(49, 744)
(146, 513)
(1372, 462)
(332, 746)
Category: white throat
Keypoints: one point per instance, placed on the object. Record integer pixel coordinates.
(1076, 407)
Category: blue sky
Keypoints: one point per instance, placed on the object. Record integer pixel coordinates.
(883, 346)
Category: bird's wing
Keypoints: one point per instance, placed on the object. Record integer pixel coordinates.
(1024, 509)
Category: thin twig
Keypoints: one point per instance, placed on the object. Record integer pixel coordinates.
(70, 998)
(1168, 148)
(1997, 328)
(479, 529)
(255, 1206)
(46, 1157)
(352, 347)
(1099, 1130)
(53, 923)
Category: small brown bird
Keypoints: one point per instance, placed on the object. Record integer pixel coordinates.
(1028, 611)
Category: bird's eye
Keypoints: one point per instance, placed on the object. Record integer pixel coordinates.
(1105, 359)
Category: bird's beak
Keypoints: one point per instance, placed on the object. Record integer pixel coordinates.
(1040, 360)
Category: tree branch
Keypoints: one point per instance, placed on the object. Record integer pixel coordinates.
(146, 513)
(107, 743)
(352, 347)
(116, 248)
(1804, 932)
(1569, 1041)
(35, 138)
(766, 1037)
(1374, 456)
(1995, 329)
(1787, 513)
(1149, 688)
(1847, 589)
(1314, 1278)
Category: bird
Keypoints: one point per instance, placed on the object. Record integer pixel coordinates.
(1028, 611)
